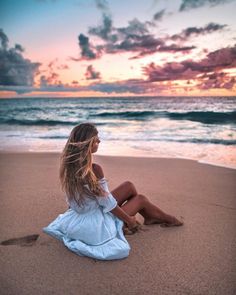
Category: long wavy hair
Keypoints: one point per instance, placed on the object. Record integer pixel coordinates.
(76, 173)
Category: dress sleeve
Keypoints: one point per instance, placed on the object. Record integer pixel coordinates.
(108, 202)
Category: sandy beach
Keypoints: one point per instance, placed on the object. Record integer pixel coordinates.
(198, 258)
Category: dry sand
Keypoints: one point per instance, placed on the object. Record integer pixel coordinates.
(198, 258)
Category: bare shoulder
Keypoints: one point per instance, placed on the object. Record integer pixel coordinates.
(97, 170)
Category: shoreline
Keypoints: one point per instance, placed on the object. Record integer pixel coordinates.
(204, 162)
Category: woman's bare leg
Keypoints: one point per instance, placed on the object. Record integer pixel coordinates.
(151, 213)
(124, 192)
(140, 204)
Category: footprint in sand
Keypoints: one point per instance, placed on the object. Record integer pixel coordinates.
(23, 241)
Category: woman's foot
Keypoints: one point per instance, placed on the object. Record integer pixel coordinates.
(148, 221)
(167, 222)
(173, 221)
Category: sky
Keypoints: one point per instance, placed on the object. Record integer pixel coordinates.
(84, 48)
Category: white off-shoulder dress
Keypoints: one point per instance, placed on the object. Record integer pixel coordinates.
(91, 229)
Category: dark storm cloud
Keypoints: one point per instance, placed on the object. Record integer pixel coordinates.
(87, 50)
(91, 74)
(195, 31)
(15, 69)
(191, 4)
(189, 69)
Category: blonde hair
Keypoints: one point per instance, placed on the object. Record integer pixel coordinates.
(76, 173)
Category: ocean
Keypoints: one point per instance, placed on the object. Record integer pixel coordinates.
(199, 128)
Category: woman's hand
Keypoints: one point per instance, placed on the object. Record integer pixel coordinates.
(132, 223)
(131, 226)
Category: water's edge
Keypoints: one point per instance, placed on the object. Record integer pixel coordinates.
(123, 156)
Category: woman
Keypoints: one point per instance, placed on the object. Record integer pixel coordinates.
(93, 225)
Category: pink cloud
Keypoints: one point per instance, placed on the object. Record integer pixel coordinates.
(216, 61)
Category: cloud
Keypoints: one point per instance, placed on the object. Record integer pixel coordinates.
(207, 69)
(51, 79)
(49, 75)
(54, 65)
(221, 58)
(192, 4)
(4, 40)
(45, 88)
(107, 32)
(196, 31)
(159, 15)
(134, 43)
(87, 50)
(133, 86)
(104, 31)
(91, 74)
(135, 38)
(216, 80)
(63, 67)
(17, 89)
(15, 69)
(147, 48)
(102, 5)
(19, 48)
(135, 27)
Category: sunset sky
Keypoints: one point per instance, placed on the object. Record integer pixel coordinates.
(74, 48)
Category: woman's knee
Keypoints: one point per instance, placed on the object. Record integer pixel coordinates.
(131, 188)
(142, 199)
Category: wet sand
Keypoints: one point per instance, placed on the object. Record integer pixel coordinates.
(198, 258)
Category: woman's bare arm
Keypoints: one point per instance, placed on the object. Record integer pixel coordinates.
(117, 211)
(121, 214)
